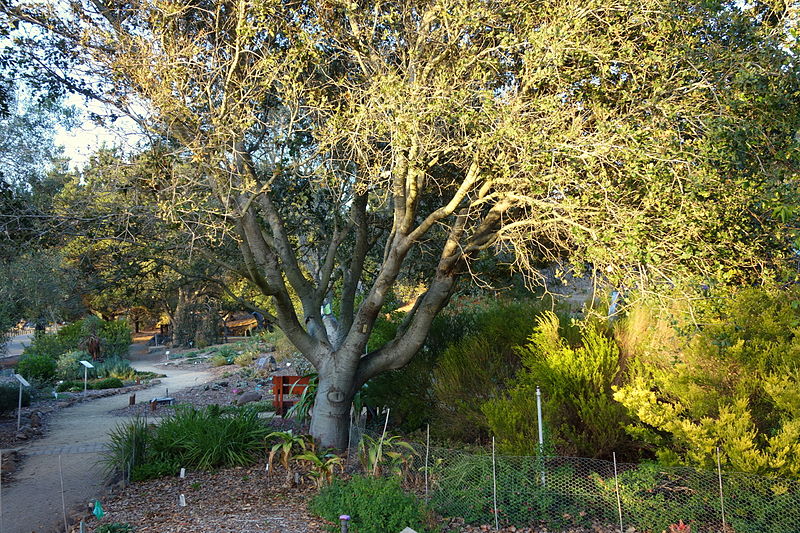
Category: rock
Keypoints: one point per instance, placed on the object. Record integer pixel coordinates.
(248, 397)
(222, 383)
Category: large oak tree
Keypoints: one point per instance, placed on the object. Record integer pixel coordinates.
(333, 140)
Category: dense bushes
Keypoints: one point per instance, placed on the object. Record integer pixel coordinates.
(37, 367)
(374, 504)
(734, 385)
(115, 337)
(9, 397)
(580, 415)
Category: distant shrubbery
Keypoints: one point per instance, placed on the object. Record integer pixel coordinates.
(56, 355)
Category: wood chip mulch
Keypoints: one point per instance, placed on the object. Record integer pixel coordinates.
(233, 500)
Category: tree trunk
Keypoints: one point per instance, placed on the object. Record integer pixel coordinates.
(330, 416)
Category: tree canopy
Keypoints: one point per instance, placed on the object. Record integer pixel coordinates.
(335, 141)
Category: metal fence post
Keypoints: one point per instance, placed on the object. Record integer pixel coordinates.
(616, 488)
(494, 488)
(721, 494)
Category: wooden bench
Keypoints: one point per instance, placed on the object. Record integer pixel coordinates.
(283, 386)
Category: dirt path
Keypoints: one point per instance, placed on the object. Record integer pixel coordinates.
(75, 438)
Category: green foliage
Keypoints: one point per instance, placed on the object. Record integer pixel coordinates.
(70, 386)
(154, 470)
(302, 409)
(322, 465)
(38, 367)
(9, 397)
(220, 360)
(115, 367)
(107, 383)
(375, 505)
(115, 338)
(68, 366)
(390, 455)
(287, 444)
(206, 439)
(580, 414)
(409, 392)
(477, 367)
(465, 489)
(128, 445)
(733, 387)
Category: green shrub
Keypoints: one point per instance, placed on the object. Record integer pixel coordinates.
(116, 367)
(375, 505)
(107, 383)
(68, 366)
(128, 446)
(38, 367)
(9, 397)
(220, 360)
(115, 338)
(478, 367)
(69, 386)
(579, 411)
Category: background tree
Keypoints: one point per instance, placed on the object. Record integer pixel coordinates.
(333, 141)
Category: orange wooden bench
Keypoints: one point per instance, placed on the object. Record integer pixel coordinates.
(283, 386)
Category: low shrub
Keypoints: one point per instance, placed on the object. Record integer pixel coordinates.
(115, 527)
(68, 366)
(9, 397)
(375, 505)
(39, 367)
(115, 367)
(220, 360)
(107, 383)
(115, 338)
(69, 386)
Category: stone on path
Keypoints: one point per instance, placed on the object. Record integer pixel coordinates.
(248, 397)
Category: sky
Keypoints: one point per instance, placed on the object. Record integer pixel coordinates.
(82, 141)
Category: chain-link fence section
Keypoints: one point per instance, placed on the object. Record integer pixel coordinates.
(564, 492)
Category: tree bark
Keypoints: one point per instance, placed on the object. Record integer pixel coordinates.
(330, 416)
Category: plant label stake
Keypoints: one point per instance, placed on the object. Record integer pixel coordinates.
(183, 473)
(22, 383)
(182, 501)
(86, 366)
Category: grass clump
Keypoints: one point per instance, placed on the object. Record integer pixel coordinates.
(194, 438)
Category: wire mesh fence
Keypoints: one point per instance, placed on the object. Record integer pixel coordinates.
(566, 492)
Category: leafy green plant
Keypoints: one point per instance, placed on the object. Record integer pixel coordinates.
(478, 367)
(392, 455)
(115, 338)
(323, 465)
(286, 442)
(302, 409)
(69, 368)
(9, 397)
(220, 360)
(375, 505)
(154, 470)
(38, 367)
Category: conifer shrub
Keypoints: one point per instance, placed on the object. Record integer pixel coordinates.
(576, 380)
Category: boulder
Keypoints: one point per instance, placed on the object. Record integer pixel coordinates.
(248, 397)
